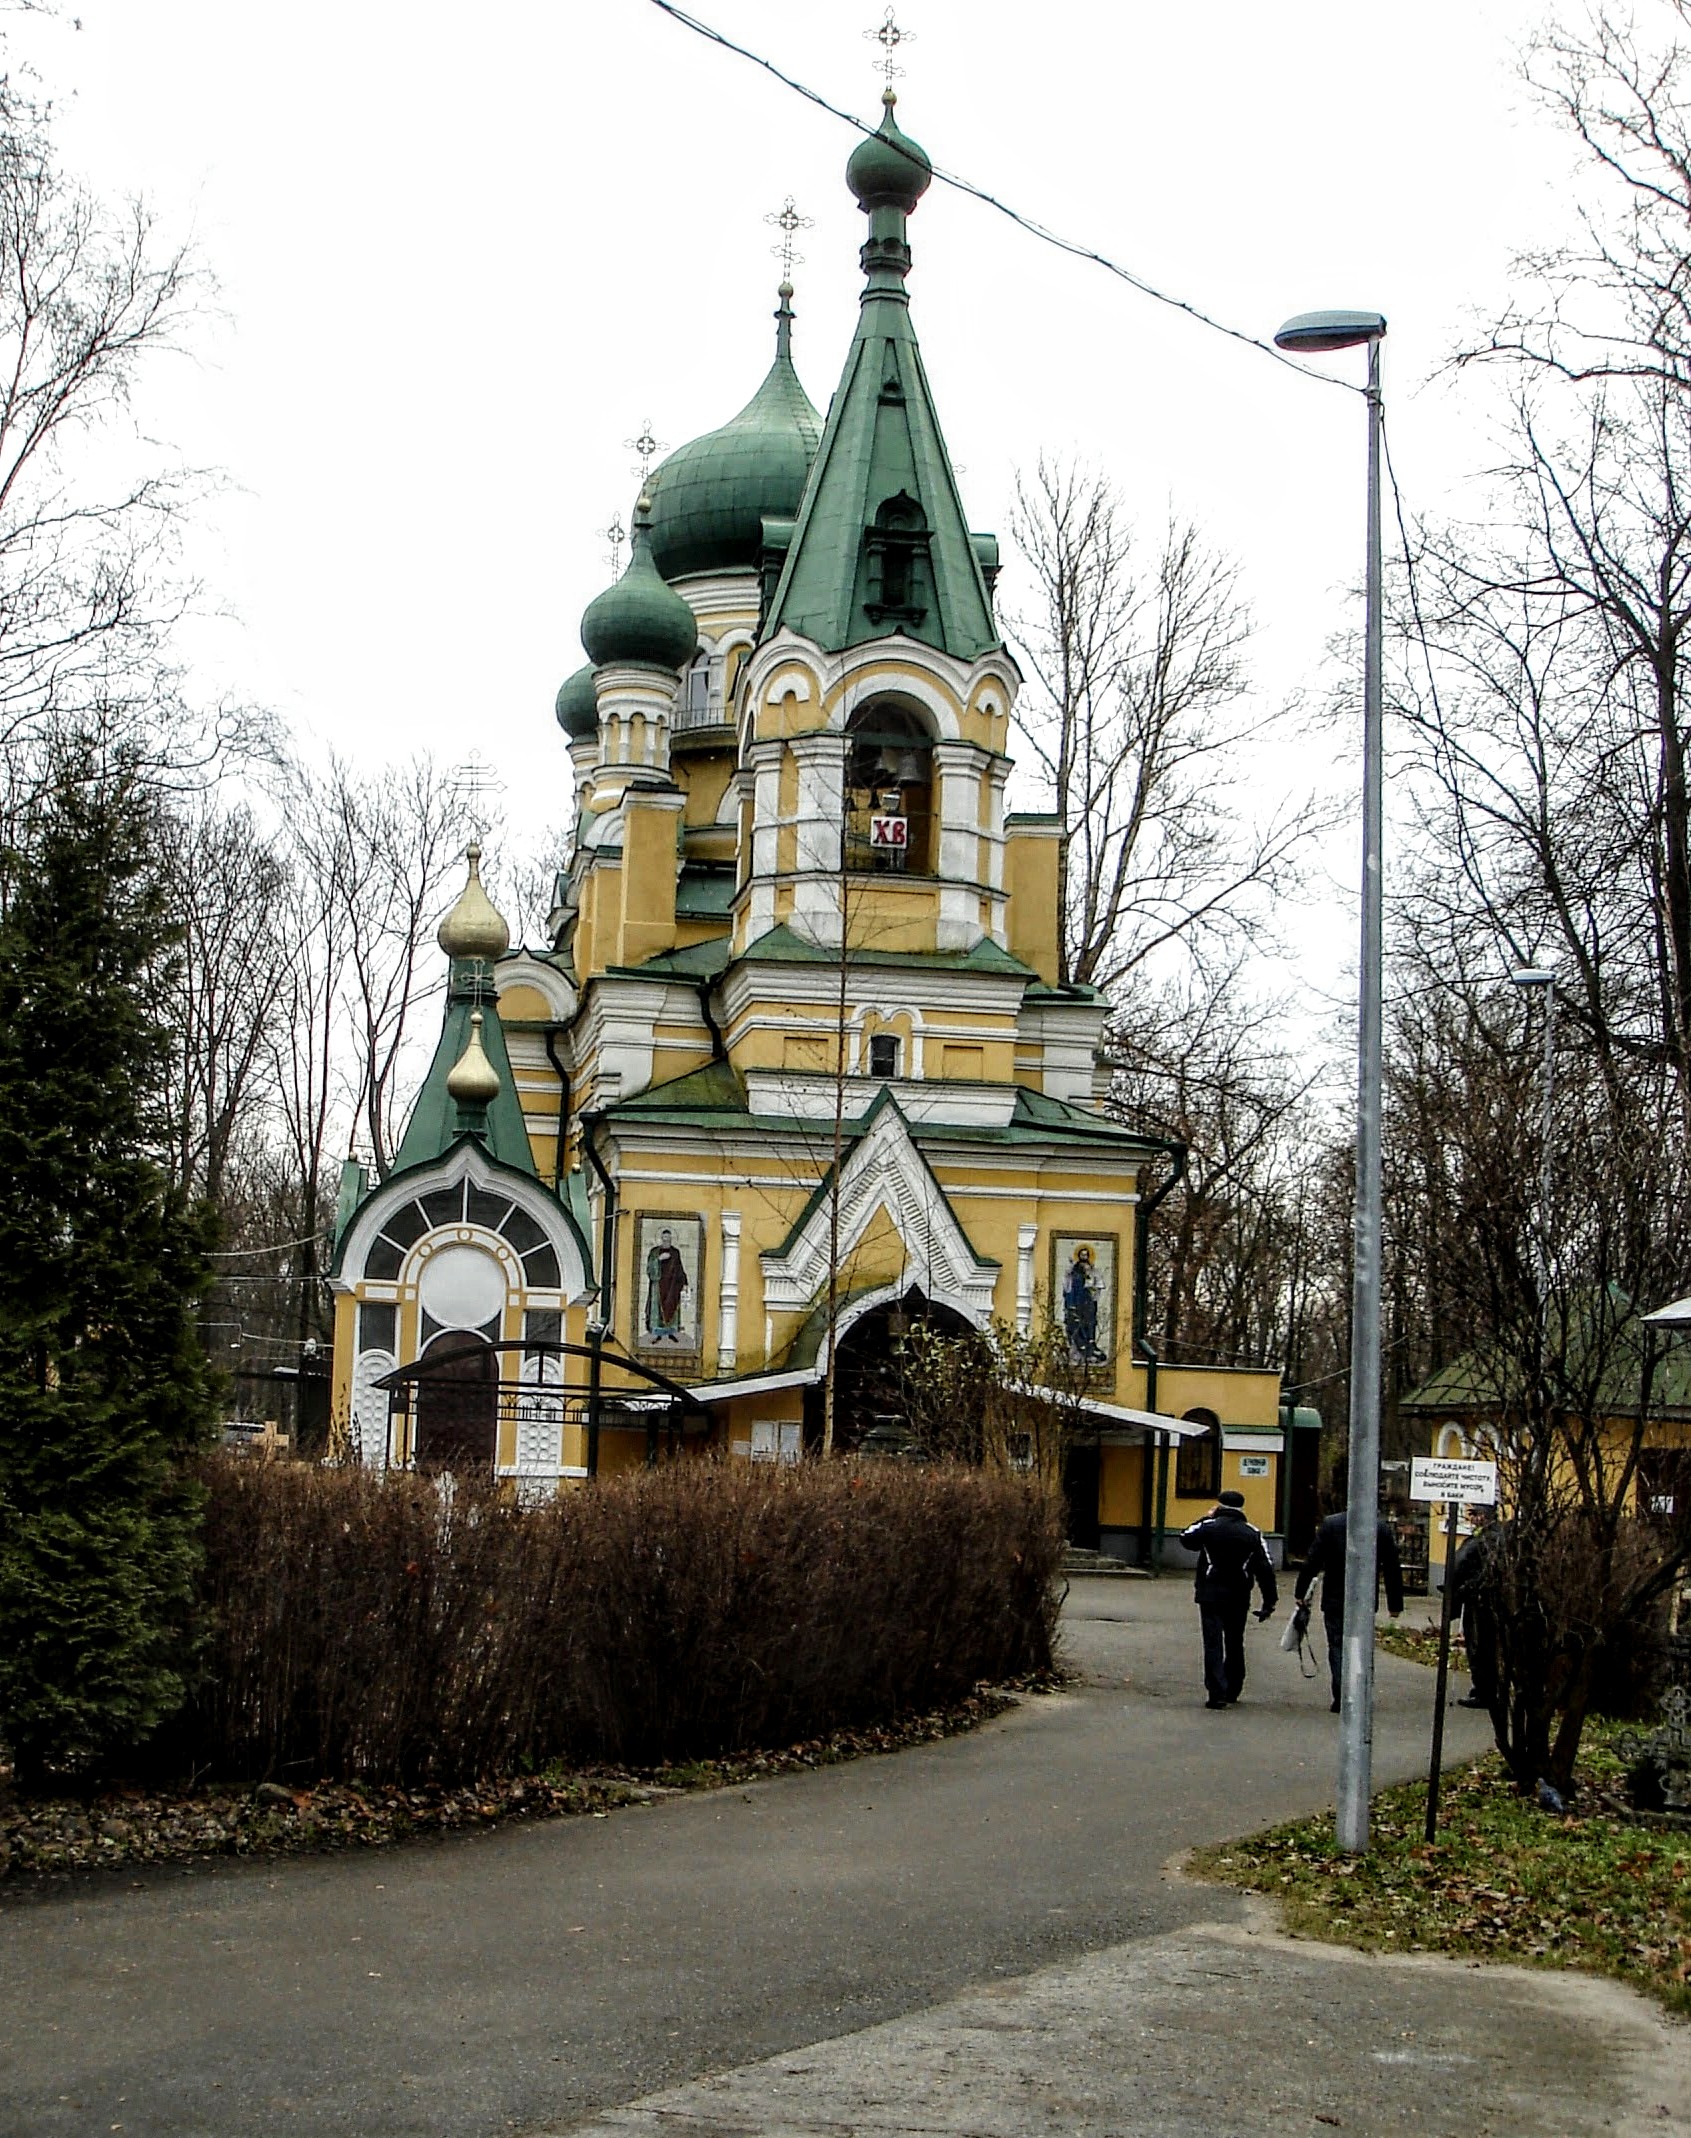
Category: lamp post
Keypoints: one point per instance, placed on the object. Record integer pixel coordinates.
(1315, 333)
(1535, 976)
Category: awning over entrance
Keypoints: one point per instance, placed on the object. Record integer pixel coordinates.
(1108, 1417)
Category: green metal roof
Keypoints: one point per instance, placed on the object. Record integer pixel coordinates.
(1486, 1379)
(640, 620)
(434, 1126)
(715, 1098)
(705, 890)
(711, 497)
(713, 1089)
(882, 461)
(576, 706)
(780, 946)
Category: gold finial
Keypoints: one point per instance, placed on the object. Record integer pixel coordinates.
(474, 928)
(472, 1080)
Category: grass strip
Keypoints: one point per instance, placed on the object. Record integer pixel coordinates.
(1420, 1644)
(1504, 1881)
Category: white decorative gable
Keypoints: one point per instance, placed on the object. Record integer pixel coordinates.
(885, 1172)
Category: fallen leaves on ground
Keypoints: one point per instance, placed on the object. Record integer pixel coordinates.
(45, 1839)
(1596, 1889)
(1420, 1644)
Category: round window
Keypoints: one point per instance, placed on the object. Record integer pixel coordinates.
(462, 1287)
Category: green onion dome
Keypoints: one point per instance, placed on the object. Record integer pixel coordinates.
(711, 497)
(640, 622)
(887, 169)
(577, 705)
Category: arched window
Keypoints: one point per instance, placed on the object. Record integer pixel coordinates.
(889, 796)
(692, 704)
(897, 546)
(1197, 1467)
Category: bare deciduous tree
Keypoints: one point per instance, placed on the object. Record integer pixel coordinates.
(1136, 723)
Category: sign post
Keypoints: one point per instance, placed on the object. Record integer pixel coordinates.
(1458, 1484)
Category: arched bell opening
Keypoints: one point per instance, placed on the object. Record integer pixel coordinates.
(889, 791)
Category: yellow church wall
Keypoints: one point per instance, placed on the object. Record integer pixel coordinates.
(648, 884)
(1030, 877)
(521, 1004)
(1468, 1441)
(1121, 1487)
(706, 779)
(1238, 1395)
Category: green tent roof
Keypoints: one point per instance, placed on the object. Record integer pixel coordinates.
(882, 544)
(434, 1126)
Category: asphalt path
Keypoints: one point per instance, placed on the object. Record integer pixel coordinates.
(532, 1977)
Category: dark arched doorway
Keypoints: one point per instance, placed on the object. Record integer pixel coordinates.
(871, 1403)
(457, 1404)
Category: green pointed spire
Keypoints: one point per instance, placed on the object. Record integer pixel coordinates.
(881, 544)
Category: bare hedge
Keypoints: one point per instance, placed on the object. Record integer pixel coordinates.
(367, 1626)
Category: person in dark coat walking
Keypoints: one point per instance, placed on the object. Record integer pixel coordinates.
(1327, 1559)
(1470, 1594)
(1231, 1558)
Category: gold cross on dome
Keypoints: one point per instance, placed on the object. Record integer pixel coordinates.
(889, 37)
(473, 782)
(648, 446)
(787, 222)
(616, 534)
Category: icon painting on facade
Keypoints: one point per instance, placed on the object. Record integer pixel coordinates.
(1084, 1281)
(667, 1252)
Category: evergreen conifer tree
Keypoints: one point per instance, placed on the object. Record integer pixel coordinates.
(104, 1388)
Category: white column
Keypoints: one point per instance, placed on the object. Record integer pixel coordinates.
(1026, 1235)
(728, 1325)
(817, 817)
(764, 760)
(957, 774)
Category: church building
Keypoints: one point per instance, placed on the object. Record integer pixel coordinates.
(796, 1069)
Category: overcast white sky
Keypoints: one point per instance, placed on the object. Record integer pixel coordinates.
(464, 252)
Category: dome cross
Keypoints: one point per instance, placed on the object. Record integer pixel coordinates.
(789, 221)
(889, 37)
(648, 446)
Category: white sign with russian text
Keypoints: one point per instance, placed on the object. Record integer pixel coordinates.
(1432, 1477)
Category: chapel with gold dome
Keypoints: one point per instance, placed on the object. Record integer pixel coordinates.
(795, 1066)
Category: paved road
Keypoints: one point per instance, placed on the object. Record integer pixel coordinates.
(532, 1978)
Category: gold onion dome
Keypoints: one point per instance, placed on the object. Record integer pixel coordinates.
(640, 622)
(474, 928)
(472, 1080)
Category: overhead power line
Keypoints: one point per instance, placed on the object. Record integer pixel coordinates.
(1046, 236)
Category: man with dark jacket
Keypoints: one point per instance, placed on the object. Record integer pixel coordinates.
(1470, 1592)
(1327, 1558)
(1231, 1556)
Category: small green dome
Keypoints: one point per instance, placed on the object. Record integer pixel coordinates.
(711, 497)
(577, 705)
(640, 621)
(887, 169)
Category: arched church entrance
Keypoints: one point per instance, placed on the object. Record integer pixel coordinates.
(457, 1404)
(871, 1399)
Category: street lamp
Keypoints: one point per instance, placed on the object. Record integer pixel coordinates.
(1536, 976)
(1312, 334)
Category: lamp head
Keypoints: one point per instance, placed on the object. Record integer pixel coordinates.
(1313, 333)
(1533, 976)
